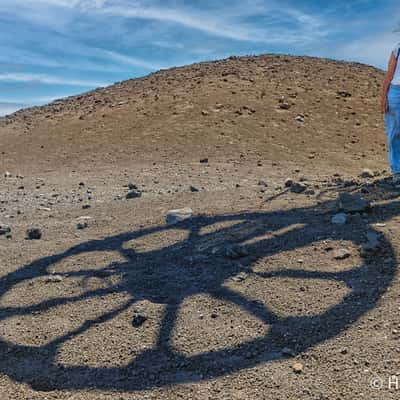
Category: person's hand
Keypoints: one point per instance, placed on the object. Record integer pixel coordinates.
(385, 105)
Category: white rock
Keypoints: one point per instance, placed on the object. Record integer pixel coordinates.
(339, 219)
(175, 216)
(54, 278)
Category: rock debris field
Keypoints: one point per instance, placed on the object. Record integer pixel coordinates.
(225, 230)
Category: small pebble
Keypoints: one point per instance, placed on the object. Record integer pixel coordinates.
(297, 367)
(33, 234)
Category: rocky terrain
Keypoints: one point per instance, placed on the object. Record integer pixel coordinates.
(225, 230)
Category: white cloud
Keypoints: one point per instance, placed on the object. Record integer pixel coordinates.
(15, 59)
(225, 22)
(49, 80)
(228, 24)
(127, 60)
(373, 50)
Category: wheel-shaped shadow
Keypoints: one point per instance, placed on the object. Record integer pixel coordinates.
(196, 264)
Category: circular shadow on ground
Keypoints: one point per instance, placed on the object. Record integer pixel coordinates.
(196, 264)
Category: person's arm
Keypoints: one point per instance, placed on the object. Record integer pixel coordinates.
(387, 81)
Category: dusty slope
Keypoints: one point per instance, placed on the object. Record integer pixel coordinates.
(131, 308)
(161, 117)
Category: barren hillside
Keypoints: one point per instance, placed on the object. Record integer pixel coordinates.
(280, 108)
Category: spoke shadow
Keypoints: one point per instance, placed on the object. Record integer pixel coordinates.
(198, 265)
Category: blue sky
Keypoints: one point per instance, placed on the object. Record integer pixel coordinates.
(54, 48)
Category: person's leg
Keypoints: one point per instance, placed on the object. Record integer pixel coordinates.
(392, 122)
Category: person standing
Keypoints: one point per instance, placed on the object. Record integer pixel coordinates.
(391, 111)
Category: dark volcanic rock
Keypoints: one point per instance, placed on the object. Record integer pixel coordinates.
(4, 230)
(351, 203)
(138, 320)
(133, 194)
(34, 234)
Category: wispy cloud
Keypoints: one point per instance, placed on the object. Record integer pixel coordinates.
(49, 80)
(67, 45)
(225, 22)
(220, 21)
(373, 50)
(127, 60)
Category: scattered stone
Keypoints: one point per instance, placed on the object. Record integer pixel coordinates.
(81, 225)
(34, 234)
(242, 276)
(235, 251)
(175, 216)
(7, 175)
(4, 230)
(288, 182)
(341, 254)
(339, 219)
(138, 320)
(204, 161)
(343, 93)
(132, 186)
(54, 279)
(283, 104)
(299, 118)
(86, 206)
(297, 367)
(366, 173)
(133, 194)
(350, 203)
(84, 218)
(194, 189)
(262, 183)
(249, 109)
(205, 113)
(297, 187)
